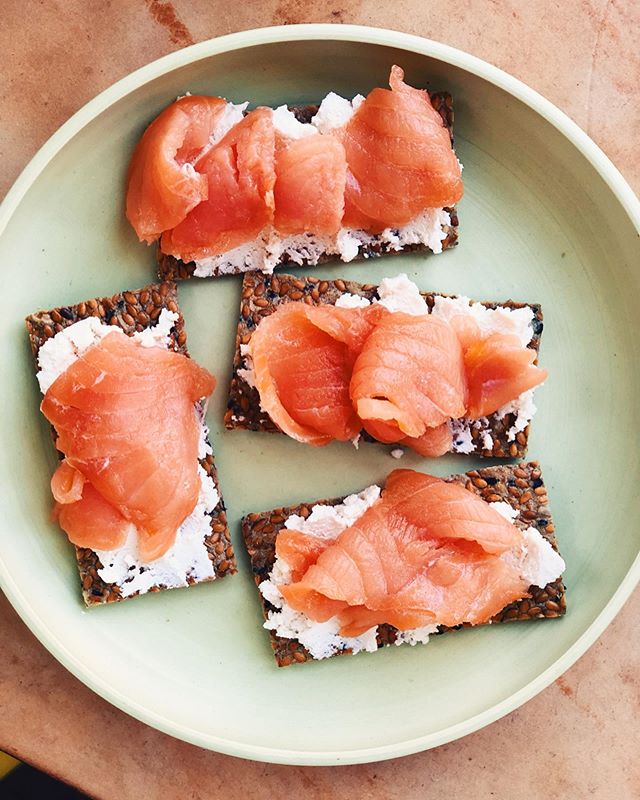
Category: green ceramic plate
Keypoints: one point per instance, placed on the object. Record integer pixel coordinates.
(546, 217)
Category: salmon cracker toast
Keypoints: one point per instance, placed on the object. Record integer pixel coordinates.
(81, 364)
(505, 568)
(224, 190)
(502, 433)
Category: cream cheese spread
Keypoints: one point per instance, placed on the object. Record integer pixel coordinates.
(58, 353)
(514, 321)
(335, 111)
(524, 408)
(188, 557)
(536, 560)
(285, 122)
(231, 116)
(269, 249)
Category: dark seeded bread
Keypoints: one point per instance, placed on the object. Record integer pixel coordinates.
(132, 311)
(171, 268)
(521, 486)
(262, 294)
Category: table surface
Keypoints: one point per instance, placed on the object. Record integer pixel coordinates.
(584, 55)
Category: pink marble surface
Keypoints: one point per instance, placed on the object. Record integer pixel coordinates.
(580, 737)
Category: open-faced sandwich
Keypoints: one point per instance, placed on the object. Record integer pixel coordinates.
(421, 556)
(225, 191)
(334, 360)
(135, 489)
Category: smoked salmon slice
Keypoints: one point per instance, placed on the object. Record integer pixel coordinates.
(299, 550)
(240, 176)
(206, 193)
(499, 369)
(453, 512)
(399, 158)
(351, 326)
(427, 550)
(126, 421)
(91, 521)
(409, 375)
(459, 587)
(433, 443)
(302, 374)
(327, 372)
(310, 183)
(355, 620)
(67, 483)
(162, 186)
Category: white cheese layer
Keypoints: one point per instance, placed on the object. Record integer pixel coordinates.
(514, 321)
(233, 114)
(352, 301)
(505, 510)
(58, 353)
(286, 123)
(537, 562)
(402, 294)
(188, 557)
(328, 522)
(335, 111)
(269, 249)
(524, 408)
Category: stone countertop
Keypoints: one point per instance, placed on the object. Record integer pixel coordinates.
(576, 739)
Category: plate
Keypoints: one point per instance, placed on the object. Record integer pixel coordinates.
(546, 218)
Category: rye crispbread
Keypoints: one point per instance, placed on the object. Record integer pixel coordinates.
(261, 296)
(171, 268)
(520, 485)
(132, 311)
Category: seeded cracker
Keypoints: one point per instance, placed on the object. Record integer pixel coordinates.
(519, 485)
(170, 268)
(262, 294)
(132, 311)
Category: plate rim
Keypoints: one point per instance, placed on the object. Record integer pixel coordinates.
(323, 32)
